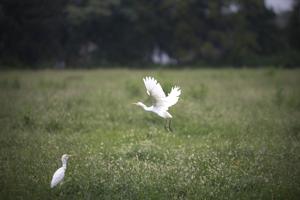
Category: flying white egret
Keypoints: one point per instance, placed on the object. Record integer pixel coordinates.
(161, 101)
(59, 174)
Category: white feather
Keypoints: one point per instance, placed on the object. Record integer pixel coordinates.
(58, 176)
(162, 102)
(173, 96)
(153, 88)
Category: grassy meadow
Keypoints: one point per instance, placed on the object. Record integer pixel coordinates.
(236, 135)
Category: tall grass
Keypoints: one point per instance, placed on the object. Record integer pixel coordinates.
(236, 135)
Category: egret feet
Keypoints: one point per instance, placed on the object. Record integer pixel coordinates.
(168, 125)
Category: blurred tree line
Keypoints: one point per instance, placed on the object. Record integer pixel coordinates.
(107, 32)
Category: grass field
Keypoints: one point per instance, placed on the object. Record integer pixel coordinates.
(236, 135)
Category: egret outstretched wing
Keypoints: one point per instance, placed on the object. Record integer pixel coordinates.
(153, 88)
(173, 96)
(162, 102)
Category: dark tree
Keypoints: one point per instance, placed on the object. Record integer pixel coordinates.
(32, 30)
(93, 32)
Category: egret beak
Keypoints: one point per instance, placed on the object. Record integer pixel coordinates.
(134, 103)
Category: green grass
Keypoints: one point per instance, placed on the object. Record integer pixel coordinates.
(237, 135)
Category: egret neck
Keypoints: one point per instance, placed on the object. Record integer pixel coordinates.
(64, 163)
(150, 108)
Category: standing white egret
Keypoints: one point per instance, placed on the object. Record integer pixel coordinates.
(161, 101)
(59, 174)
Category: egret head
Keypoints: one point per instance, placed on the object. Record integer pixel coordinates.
(65, 157)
